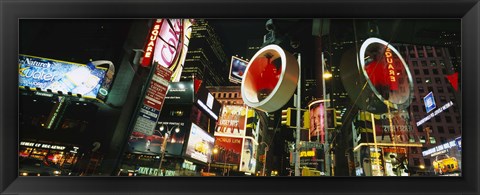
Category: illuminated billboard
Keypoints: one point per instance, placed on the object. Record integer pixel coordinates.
(228, 150)
(232, 121)
(317, 121)
(60, 76)
(237, 69)
(200, 145)
(395, 159)
(142, 143)
(248, 158)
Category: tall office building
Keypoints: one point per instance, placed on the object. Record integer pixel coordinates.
(429, 67)
(206, 59)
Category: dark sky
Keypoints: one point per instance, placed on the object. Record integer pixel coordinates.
(235, 33)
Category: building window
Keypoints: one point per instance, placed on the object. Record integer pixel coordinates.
(426, 72)
(443, 140)
(416, 162)
(432, 140)
(444, 71)
(438, 119)
(438, 80)
(448, 119)
(414, 150)
(430, 89)
(451, 130)
(419, 80)
(427, 162)
(428, 80)
(442, 63)
(440, 89)
(422, 139)
(440, 129)
(421, 90)
(424, 63)
(415, 108)
(435, 71)
(443, 99)
(439, 52)
(417, 72)
(433, 63)
(415, 63)
(458, 119)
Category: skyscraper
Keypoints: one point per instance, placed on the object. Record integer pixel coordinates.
(206, 59)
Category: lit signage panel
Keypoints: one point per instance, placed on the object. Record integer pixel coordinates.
(43, 73)
(237, 69)
(200, 145)
(180, 93)
(231, 121)
(249, 153)
(429, 101)
(150, 143)
(208, 103)
(395, 161)
(317, 122)
(228, 150)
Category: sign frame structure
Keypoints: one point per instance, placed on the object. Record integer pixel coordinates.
(235, 77)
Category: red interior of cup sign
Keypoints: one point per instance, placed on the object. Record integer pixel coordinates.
(387, 73)
(264, 75)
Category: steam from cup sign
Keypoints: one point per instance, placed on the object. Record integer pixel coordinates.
(270, 79)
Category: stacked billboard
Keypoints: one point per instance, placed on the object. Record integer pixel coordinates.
(236, 138)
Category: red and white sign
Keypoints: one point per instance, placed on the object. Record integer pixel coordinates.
(149, 48)
(157, 90)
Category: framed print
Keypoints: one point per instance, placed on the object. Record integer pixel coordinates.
(239, 97)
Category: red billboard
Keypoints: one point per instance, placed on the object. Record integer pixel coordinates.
(228, 150)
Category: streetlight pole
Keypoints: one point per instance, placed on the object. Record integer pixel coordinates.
(265, 160)
(299, 102)
(164, 144)
(325, 121)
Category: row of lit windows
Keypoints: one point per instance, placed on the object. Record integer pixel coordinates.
(226, 94)
(438, 129)
(430, 63)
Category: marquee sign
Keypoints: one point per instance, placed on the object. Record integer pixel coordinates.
(270, 79)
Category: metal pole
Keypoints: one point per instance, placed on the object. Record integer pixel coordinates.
(299, 102)
(265, 161)
(325, 123)
(163, 154)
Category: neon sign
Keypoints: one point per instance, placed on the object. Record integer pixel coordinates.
(147, 57)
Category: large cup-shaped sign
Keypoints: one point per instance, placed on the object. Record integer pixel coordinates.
(381, 78)
(270, 79)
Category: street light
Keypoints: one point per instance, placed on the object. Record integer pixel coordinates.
(164, 143)
(325, 75)
(265, 160)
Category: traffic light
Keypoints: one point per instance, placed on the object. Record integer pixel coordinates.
(306, 119)
(286, 115)
(338, 118)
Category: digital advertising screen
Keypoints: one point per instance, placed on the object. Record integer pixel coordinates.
(237, 69)
(232, 121)
(249, 153)
(55, 75)
(200, 145)
(142, 143)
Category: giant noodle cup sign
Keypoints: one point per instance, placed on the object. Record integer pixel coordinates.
(270, 79)
(382, 77)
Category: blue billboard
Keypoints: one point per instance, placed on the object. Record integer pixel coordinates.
(55, 75)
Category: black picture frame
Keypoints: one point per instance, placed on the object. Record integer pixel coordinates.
(12, 11)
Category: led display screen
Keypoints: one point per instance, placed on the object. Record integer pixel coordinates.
(200, 145)
(237, 69)
(43, 73)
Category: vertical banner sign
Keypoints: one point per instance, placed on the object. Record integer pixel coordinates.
(153, 101)
(149, 48)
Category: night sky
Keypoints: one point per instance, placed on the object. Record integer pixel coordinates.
(234, 33)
